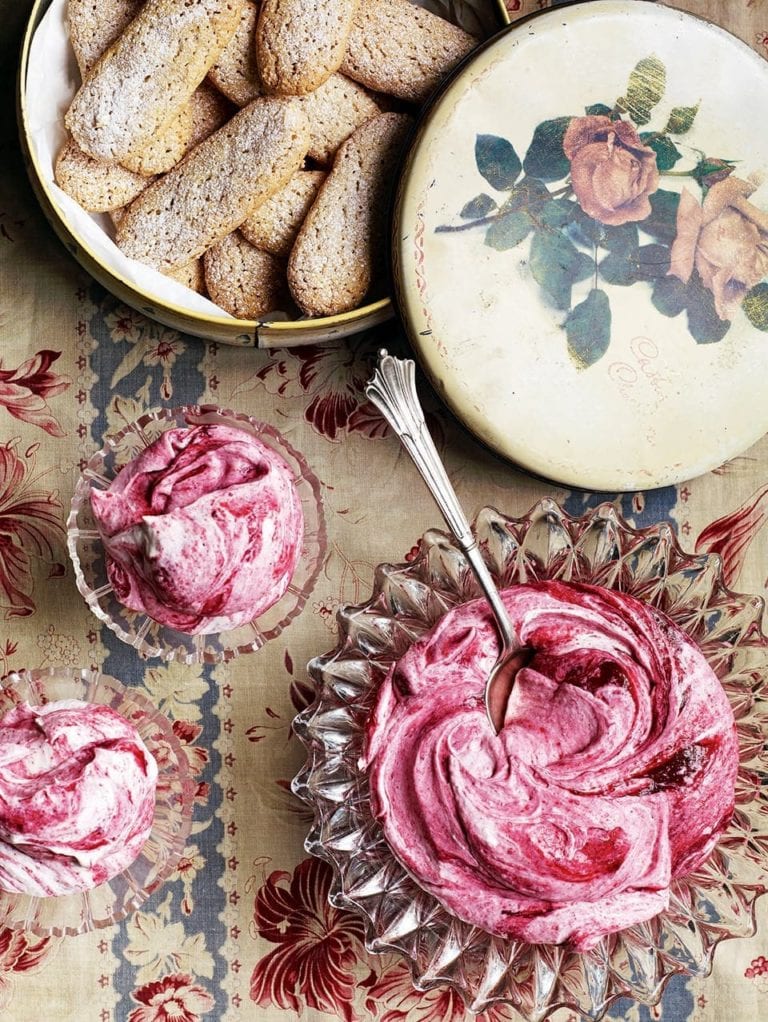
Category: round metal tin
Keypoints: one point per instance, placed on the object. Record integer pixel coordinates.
(581, 245)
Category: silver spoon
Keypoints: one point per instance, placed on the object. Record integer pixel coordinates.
(392, 388)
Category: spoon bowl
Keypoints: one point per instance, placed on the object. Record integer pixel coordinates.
(392, 389)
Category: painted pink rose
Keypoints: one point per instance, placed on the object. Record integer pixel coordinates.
(613, 172)
(726, 239)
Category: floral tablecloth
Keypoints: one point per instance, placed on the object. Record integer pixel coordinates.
(243, 929)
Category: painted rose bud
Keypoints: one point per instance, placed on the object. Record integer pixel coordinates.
(726, 239)
(612, 172)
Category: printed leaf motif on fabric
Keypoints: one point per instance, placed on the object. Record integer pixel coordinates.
(20, 952)
(156, 945)
(31, 529)
(24, 392)
(731, 535)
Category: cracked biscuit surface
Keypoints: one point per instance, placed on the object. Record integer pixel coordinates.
(243, 280)
(275, 224)
(217, 186)
(98, 187)
(300, 43)
(401, 49)
(342, 238)
(144, 79)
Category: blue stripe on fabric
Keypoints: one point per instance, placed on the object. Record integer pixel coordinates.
(115, 352)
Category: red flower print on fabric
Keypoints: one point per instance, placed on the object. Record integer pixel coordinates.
(317, 944)
(392, 997)
(333, 376)
(731, 535)
(30, 527)
(19, 952)
(174, 998)
(24, 392)
(757, 967)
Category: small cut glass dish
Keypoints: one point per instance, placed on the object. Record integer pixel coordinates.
(109, 902)
(715, 902)
(151, 638)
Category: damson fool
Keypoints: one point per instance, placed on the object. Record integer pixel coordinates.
(614, 772)
(203, 530)
(77, 796)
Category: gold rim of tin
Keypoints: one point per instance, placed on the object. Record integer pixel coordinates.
(380, 310)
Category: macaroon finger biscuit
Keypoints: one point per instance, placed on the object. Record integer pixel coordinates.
(217, 186)
(191, 275)
(210, 110)
(141, 82)
(334, 110)
(275, 224)
(300, 43)
(95, 24)
(334, 256)
(165, 148)
(401, 49)
(96, 186)
(235, 72)
(243, 280)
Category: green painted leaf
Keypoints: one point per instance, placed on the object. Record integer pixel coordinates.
(670, 296)
(508, 230)
(645, 88)
(705, 325)
(588, 328)
(583, 268)
(681, 119)
(598, 110)
(527, 194)
(478, 207)
(662, 223)
(651, 262)
(497, 161)
(618, 269)
(585, 230)
(621, 240)
(557, 212)
(647, 262)
(667, 153)
(545, 158)
(756, 306)
(555, 265)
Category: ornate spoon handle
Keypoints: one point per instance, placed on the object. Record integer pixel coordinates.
(392, 388)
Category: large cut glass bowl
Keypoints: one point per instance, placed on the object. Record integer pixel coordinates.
(717, 901)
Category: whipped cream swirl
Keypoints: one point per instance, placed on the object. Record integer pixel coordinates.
(614, 772)
(203, 530)
(77, 796)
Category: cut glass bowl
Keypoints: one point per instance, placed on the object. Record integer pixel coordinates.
(71, 914)
(148, 637)
(717, 901)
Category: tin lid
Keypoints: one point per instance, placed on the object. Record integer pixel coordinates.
(581, 245)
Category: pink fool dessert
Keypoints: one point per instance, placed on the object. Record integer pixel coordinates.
(77, 797)
(613, 774)
(203, 530)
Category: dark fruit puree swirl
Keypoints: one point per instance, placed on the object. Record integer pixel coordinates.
(614, 772)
